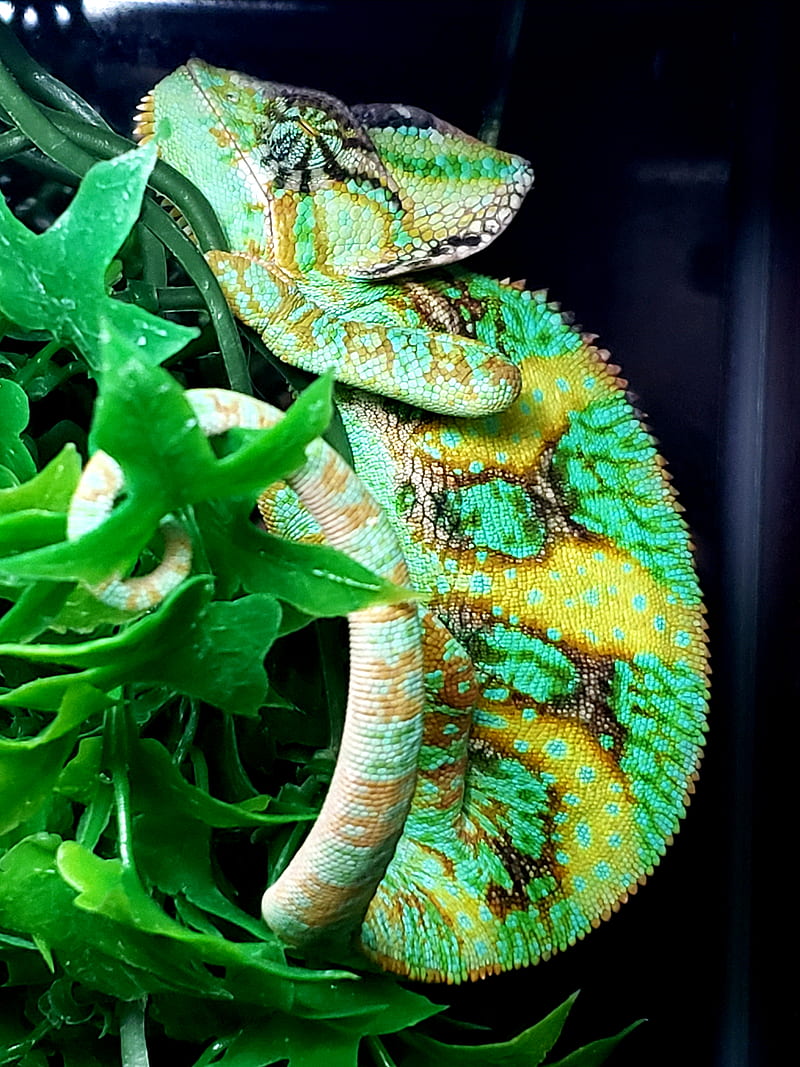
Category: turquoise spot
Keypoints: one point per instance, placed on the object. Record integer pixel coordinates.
(606, 742)
(464, 921)
(619, 635)
(538, 395)
(586, 774)
(480, 584)
(475, 467)
(639, 602)
(583, 834)
(602, 871)
(450, 438)
(528, 714)
(612, 809)
(659, 623)
(562, 385)
(481, 556)
(497, 611)
(556, 749)
(535, 596)
(615, 840)
(592, 597)
(496, 693)
(560, 817)
(450, 728)
(493, 722)
(521, 746)
(554, 634)
(589, 382)
(682, 639)
(562, 858)
(579, 883)
(572, 799)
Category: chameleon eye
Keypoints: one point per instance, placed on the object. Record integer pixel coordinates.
(303, 140)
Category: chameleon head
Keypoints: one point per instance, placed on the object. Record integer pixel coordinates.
(380, 189)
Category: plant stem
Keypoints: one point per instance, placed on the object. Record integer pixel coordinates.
(133, 1043)
(39, 83)
(116, 758)
(379, 1053)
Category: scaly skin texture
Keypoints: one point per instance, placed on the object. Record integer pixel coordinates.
(332, 876)
(565, 660)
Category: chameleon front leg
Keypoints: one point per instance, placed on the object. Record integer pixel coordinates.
(397, 340)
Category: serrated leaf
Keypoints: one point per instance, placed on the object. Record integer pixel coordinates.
(597, 1052)
(527, 1049)
(213, 651)
(49, 490)
(14, 456)
(56, 281)
(29, 767)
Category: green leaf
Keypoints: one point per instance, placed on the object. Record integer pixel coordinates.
(29, 767)
(527, 1049)
(122, 962)
(165, 472)
(14, 456)
(314, 579)
(49, 490)
(56, 281)
(213, 651)
(597, 1052)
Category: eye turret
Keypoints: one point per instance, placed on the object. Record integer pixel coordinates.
(303, 137)
(302, 144)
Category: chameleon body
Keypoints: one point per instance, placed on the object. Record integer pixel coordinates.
(564, 650)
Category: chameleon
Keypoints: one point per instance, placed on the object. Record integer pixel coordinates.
(563, 633)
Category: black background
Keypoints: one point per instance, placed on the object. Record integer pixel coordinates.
(664, 215)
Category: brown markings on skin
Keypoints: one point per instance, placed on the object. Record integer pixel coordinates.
(471, 309)
(459, 689)
(223, 136)
(589, 704)
(449, 776)
(435, 309)
(522, 870)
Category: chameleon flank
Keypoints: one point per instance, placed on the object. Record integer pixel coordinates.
(348, 846)
(564, 641)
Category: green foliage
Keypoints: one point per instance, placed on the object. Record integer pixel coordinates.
(142, 791)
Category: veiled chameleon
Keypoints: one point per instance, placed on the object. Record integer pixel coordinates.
(564, 642)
